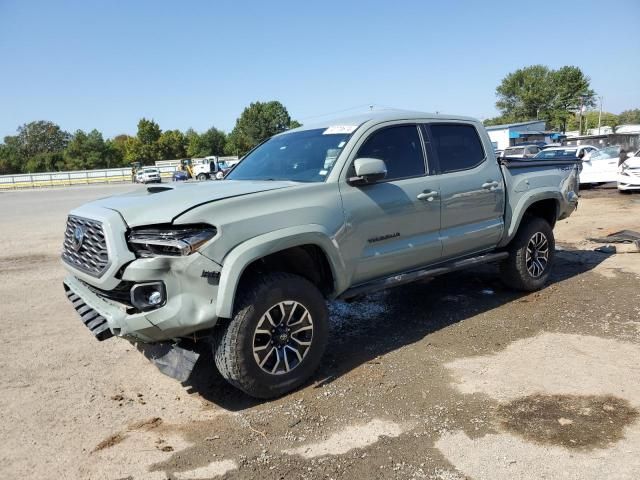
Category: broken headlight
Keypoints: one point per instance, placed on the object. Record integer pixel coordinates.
(175, 241)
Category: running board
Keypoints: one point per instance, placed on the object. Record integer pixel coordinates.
(403, 278)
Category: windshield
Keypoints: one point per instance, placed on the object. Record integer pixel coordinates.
(513, 151)
(558, 153)
(607, 152)
(150, 170)
(306, 156)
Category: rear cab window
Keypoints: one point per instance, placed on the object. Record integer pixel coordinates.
(457, 146)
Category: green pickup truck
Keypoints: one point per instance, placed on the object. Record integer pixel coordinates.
(246, 265)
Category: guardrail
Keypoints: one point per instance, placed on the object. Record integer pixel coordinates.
(78, 177)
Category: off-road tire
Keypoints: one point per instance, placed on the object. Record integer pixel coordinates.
(513, 270)
(233, 342)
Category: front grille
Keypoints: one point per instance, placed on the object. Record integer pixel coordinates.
(85, 247)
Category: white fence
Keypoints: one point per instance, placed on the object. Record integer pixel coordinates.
(78, 177)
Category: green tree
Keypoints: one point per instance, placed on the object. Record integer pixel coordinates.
(45, 162)
(148, 131)
(144, 146)
(630, 117)
(537, 92)
(500, 120)
(41, 137)
(172, 144)
(571, 91)
(259, 121)
(116, 151)
(11, 158)
(134, 151)
(211, 142)
(590, 120)
(524, 93)
(86, 151)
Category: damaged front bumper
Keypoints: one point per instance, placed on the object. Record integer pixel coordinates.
(159, 333)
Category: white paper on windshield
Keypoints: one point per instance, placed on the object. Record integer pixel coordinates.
(339, 129)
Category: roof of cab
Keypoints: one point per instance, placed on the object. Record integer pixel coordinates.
(379, 116)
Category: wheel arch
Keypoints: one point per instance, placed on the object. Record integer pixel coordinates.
(306, 251)
(543, 206)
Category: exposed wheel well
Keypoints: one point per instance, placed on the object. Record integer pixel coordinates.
(308, 261)
(545, 209)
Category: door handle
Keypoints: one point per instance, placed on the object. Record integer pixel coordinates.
(493, 185)
(428, 196)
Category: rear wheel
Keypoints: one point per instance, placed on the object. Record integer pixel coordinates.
(201, 176)
(531, 256)
(276, 338)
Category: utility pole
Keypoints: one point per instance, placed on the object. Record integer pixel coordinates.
(580, 124)
(600, 115)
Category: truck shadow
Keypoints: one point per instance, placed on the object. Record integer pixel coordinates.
(383, 322)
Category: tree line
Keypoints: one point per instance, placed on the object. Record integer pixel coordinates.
(555, 96)
(42, 146)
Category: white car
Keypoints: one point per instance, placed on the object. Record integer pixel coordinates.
(148, 175)
(601, 166)
(598, 166)
(629, 173)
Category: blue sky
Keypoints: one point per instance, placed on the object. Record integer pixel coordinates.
(104, 64)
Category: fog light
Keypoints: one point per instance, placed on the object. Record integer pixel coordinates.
(155, 298)
(147, 296)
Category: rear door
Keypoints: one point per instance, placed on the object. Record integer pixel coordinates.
(472, 189)
(392, 225)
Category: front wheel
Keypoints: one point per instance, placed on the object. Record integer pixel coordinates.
(276, 338)
(531, 256)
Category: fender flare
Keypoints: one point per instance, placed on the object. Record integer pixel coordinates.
(235, 263)
(514, 217)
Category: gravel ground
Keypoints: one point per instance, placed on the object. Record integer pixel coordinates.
(449, 379)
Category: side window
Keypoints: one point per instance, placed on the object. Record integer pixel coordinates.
(399, 147)
(458, 146)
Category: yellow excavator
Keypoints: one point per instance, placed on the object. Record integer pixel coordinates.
(185, 166)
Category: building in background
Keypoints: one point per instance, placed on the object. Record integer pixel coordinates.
(510, 134)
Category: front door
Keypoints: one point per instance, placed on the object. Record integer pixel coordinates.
(392, 225)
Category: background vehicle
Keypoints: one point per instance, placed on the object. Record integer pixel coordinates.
(148, 175)
(179, 176)
(207, 167)
(526, 151)
(629, 174)
(566, 152)
(335, 210)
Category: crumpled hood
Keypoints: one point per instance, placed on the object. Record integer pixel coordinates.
(163, 203)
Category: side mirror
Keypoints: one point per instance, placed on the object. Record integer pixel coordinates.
(368, 170)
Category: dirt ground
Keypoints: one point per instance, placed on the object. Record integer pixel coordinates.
(450, 379)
